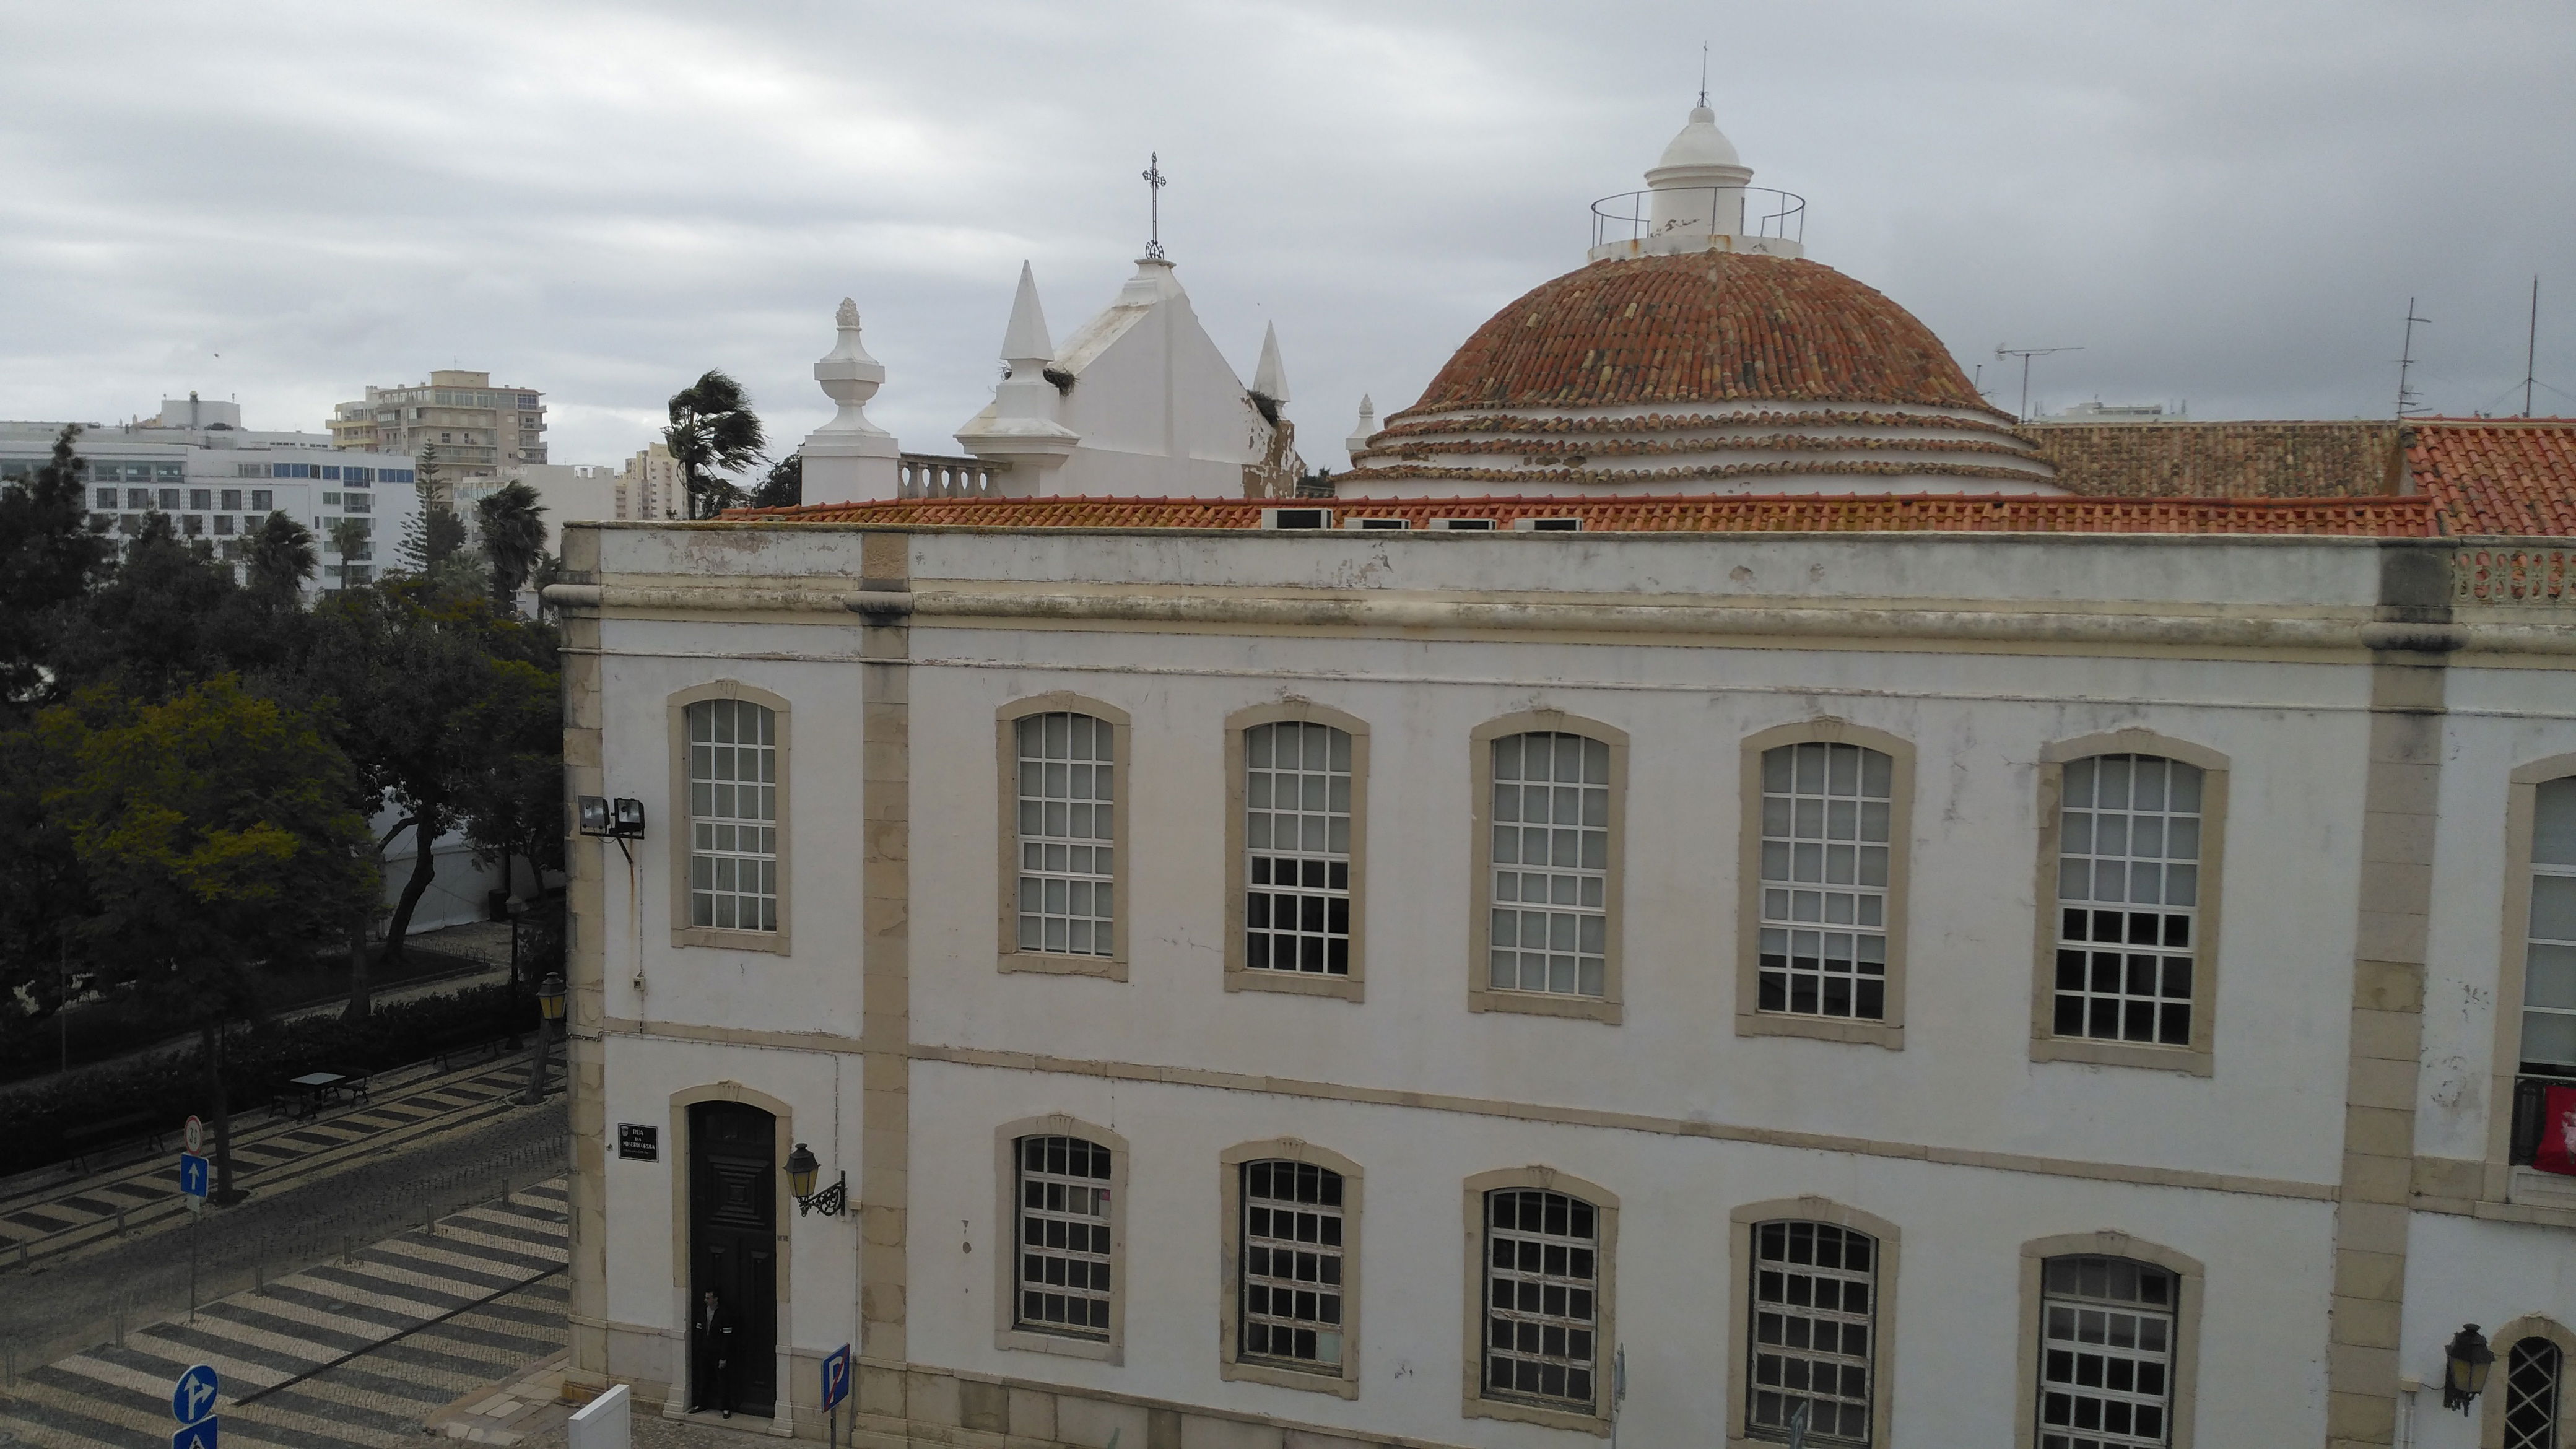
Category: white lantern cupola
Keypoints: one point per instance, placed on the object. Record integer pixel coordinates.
(1699, 196)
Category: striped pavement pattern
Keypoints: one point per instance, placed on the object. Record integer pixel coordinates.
(349, 1353)
(271, 1157)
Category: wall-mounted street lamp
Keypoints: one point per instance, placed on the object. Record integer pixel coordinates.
(619, 819)
(2464, 1368)
(550, 1013)
(802, 1169)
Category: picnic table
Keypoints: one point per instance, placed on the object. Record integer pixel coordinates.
(316, 1090)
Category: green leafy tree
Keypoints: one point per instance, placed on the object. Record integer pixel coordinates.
(513, 523)
(784, 487)
(278, 557)
(216, 835)
(713, 432)
(49, 559)
(164, 619)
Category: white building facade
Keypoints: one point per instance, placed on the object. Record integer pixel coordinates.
(1763, 1055)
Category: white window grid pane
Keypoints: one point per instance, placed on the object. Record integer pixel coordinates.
(1064, 1236)
(1542, 1297)
(1067, 799)
(2105, 1354)
(2533, 1370)
(2549, 962)
(1825, 859)
(1815, 1304)
(733, 815)
(2128, 899)
(1297, 849)
(1292, 1263)
(1550, 883)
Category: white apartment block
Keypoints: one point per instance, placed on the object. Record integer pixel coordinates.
(468, 427)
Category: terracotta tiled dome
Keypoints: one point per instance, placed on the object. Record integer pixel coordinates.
(1719, 371)
(1711, 327)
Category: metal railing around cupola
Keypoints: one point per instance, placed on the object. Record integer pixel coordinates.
(1760, 211)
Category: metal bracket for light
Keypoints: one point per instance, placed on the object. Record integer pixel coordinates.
(621, 819)
(802, 1169)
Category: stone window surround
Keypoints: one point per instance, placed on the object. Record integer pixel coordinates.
(678, 832)
(2491, 1403)
(2189, 1278)
(2521, 806)
(1750, 1019)
(1007, 1332)
(1006, 753)
(1238, 977)
(1481, 996)
(1345, 1382)
(1605, 1338)
(1739, 1331)
(2197, 1059)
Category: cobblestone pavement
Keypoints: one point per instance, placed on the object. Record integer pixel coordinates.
(343, 1197)
(355, 1353)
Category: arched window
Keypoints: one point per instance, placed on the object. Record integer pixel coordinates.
(1813, 1340)
(1826, 814)
(2534, 1374)
(1297, 849)
(1550, 877)
(1064, 1237)
(1291, 1253)
(2549, 962)
(2128, 897)
(1542, 1298)
(2106, 1353)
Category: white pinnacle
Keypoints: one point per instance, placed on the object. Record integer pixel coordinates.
(1367, 429)
(1269, 378)
(1026, 340)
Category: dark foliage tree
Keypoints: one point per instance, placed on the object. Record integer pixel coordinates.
(784, 486)
(165, 619)
(434, 536)
(49, 559)
(713, 432)
(512, 520)
(279, 557)
(215, 833)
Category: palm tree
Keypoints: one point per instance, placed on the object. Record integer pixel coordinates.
(713, 432)
(280, 555)
(350, 538)
(514, 534)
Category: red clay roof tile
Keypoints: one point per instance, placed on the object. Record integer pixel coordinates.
(2497, 476)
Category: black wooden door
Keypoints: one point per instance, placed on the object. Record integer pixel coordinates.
(733, 1243)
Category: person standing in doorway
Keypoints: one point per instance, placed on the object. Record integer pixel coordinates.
(713, 1330)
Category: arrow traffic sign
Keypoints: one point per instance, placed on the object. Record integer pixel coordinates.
(199, 1435)
(192, 1174)
(193, 1396)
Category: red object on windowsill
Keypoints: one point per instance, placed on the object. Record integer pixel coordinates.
(2556, 1151)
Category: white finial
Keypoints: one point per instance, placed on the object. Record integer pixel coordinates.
(1025, 341)
(1359, 438)
(849, 376)
(1269, 378)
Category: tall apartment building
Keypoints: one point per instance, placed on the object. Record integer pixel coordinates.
(649, 486)
(469, 428)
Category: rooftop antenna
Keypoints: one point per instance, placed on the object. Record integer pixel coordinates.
(2530, 346)
(1154, 184)
(2026, 354)
(2406, 361)
(1703, 72)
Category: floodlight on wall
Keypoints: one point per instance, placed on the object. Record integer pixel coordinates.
(620, 819)
(2465, 1361)
(802, 1169)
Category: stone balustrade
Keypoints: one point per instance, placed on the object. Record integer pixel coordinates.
(932, 475)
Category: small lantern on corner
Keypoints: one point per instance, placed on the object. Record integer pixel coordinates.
(2464, 1368)
(550, 1000)
(802, 1170)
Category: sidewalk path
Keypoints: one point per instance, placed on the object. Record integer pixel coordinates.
(352, 1354)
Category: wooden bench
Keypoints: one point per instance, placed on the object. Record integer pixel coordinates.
(88, 1141)
(457, 1041)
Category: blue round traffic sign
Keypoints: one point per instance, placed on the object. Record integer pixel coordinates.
(193, 1396)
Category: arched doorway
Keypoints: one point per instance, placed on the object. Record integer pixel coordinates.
(733, 1252)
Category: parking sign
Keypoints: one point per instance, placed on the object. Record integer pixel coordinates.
(836, 1377)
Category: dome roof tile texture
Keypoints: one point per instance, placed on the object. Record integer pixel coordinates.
(1708, 327)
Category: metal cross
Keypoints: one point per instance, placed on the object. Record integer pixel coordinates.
(1154, 184)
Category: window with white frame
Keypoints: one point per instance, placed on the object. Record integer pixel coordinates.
(2532, 1372)
(1067, 784)
(1064, 1236)
(2128, 899)
(1551, 864)
(2105, 1354)
(1815, 1306)
(1292, 1264)
(733, 815)
(1542, 1297)
(2549, 962)
(1297, 848)
(1825, 862)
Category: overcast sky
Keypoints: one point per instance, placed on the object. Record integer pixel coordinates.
(2222, 203)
